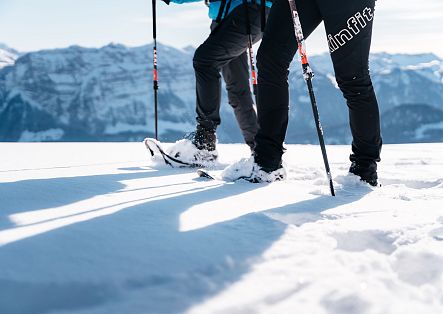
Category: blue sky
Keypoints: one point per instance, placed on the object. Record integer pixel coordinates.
(407, 26)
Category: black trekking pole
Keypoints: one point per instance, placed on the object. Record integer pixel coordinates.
(308, 75)
(251, 51)
(155, 73)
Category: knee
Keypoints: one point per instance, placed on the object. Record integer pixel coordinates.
(274, 61)
(202, 59)
(265, 55)
(198, 60)
(355, 87)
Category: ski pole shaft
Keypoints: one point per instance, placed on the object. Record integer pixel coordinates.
(308, 75)
(251, 51)
(253, 72)
(155, 72)
(320, 135)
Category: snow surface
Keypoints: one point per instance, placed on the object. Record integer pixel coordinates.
(97, 228)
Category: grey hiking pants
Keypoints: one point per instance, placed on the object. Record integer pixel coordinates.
(225, 51)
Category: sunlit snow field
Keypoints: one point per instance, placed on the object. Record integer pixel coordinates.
(100, 228)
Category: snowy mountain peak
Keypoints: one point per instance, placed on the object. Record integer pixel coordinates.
(189, 49)
(8, 56)
(9, 49)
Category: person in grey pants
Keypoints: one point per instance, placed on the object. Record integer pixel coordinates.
(225, 52)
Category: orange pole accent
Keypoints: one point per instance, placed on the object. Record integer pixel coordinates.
(254, 78)
(155, 75)
(304, 57)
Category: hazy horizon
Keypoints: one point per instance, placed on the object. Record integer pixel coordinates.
(413, 27)
(182, 48)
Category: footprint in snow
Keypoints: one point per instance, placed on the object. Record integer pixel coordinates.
(418, 268)
(413, 184)
(359, 241)
(437, 234)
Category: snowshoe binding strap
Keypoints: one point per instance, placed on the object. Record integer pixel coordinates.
(168, 159)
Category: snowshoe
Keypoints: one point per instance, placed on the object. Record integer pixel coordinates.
(182, 154)
(248, 170)
(186, 151)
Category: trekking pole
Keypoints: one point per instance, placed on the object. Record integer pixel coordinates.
(251, 52)
(308, 75)
(155, 73)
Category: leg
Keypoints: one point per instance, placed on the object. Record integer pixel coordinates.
(226, 42)
(274, 57)
(349, 30)
(236, 76)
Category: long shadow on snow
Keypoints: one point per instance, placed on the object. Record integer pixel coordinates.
(137, 249)
(36, 194)
(140, 253)
(311, 210)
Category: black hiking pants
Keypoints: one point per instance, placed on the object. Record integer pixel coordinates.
(225, 51)
(348, 25)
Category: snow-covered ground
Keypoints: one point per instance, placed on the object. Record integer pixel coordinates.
(96, 228)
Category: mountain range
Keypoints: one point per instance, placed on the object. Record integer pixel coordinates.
(105, 94)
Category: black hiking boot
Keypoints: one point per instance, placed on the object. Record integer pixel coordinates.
(269, 161)
(203, 138)
(366, 170)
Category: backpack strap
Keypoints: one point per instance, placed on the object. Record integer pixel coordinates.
(220, 11)
(228, 6)
(263, 15)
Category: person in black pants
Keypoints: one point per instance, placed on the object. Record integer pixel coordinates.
(224, 52)
(348, 25)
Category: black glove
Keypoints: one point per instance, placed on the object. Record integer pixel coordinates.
(166, 1)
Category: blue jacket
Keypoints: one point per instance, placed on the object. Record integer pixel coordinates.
(214, 7)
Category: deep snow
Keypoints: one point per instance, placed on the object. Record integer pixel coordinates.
(99, 228)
